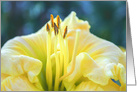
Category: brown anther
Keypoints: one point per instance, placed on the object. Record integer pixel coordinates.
(58, 21)
(52, 20)
(65, 32)
(55, 29)
(47, 27)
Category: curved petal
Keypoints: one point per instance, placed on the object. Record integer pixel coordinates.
(117, 72)
(33, 45)
(18, 83)
(16, 65)
(102, 51)
(87, 69)
(19, 64)
(25, 54)
(92, 70)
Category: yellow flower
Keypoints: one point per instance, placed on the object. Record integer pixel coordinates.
(62, 55)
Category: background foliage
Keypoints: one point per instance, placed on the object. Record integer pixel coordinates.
(107, 18)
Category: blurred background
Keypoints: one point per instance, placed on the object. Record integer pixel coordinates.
(107, 18)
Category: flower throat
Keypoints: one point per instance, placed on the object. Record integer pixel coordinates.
(62, 59)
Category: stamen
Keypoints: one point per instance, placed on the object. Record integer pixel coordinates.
(73, 56)
(52, 20)
(48, 27)
(48, 65)
(61, 44)
(61, 59)
(65, 53)
(65, 32)
(58, 21)
(55, 29)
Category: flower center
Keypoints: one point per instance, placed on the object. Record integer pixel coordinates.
(61, 59)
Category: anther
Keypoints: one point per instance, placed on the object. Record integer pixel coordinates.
(52, 20)
(58, 21)
(47, 27)
(65, 32)
(55, 29)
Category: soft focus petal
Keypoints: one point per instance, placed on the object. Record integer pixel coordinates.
(25, 55)
(19, 64)
(102, 51)
(117, 72)
(4, 76)
(33, 45)
(87, 69)
(18, 83)
(74, 23)
(92, 70)
(91, 86)
(87, 86)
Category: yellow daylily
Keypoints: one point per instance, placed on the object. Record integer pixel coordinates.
(62, 55)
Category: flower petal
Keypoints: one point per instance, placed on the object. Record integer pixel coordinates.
(4, 76)
(87, 86)
(73, 22)
(33, 45)
(91, 86)
(25, 54)
(18, 83)
(102, 51)
(19, 64)
(117, 72)
(16, 65)
(87, 69)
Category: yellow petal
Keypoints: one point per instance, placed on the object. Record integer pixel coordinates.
(18, 83)
(74, 23)
(102, 51)
(33, 45)
(91, 86)
(92, 70)
(117, 72)
(85, 67)
(25, 55)
(111, 86)
(19, 64)
(87, 86)
(4, 76)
